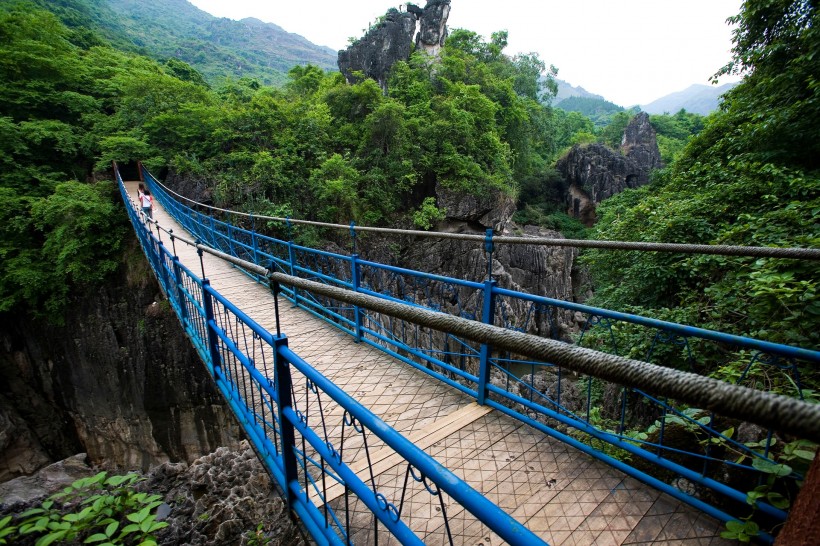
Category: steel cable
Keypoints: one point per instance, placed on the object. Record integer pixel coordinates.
(769, 410)
(794, 253)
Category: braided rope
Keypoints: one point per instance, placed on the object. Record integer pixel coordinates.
(766, 409)
(769, 410)
(795, 253)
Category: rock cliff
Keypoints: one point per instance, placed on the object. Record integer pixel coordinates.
(392, 39)
(595, 172)
(120, 382)
(225, 497)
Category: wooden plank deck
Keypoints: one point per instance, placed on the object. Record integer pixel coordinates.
(563, 495)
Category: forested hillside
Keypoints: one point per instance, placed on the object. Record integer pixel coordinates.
(471, 121)
(749, 178)
(218, 48)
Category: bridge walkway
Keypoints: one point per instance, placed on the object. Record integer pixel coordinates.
(563, 495)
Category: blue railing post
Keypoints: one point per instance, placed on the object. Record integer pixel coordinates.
(230, 238)
(253, 242)
(487, 315)
(291, 261)
(488, 247)
(166, 282)
(210, 326)
(180, 292)
(354, 280)
(353, 235)
(287, 436)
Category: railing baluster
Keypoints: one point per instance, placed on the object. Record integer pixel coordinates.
(354, 280)
(287, 436)
(487, 317)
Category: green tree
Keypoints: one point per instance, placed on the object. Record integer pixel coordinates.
(742, 181)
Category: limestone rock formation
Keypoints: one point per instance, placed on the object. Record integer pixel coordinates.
(640, 144)
(21, 493)
(120, 382)
(433, 26)
(225, 497)
(493, 210)
(391, 40)
(595, 172)
(374, 54)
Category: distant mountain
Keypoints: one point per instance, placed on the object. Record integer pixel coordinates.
(597, 109)
(216, 47)
(566, 90)
(695, 99)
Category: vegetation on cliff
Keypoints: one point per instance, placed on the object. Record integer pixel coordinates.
(470, 121)
(749, 178)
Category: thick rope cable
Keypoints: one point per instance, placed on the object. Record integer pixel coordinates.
(782, 413)
(795, 253)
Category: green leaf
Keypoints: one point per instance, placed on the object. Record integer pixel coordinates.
(31, 512)
(803, 454)
(50, 538)
(735, 526)
(128, 529)
(146, 524)
(779, 470)
(111, 528)
(98, 537)
(778, 501)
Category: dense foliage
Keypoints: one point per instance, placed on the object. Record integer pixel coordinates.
(599, 111)
(749, 178)
(472, 121)
(100, 509)
(56, 232)
(218, 48)
(319, 148)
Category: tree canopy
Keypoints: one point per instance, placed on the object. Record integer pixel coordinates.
(750, 177)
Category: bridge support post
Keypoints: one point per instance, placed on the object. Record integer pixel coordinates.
(292, 265)
(230, 239)
(287, 437)
(487, 317)
(354, 280)
(180, 292)
(210, 326)
(253, 241)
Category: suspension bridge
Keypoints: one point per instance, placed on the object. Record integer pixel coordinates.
(384, 404)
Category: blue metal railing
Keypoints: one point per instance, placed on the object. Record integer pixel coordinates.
(306, 430)
(683, 446)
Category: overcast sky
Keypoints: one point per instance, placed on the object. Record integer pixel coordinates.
(629, 51)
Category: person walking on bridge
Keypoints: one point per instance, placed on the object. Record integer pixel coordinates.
(147, 203)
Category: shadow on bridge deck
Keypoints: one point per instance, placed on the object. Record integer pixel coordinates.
(562, 495)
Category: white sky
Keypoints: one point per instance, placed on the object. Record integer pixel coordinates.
(629, 51)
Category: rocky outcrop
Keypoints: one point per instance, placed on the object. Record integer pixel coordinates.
(392, 39)
(492, 210)
(640, 144)
(595, 172)
(374, 54)
(225, 497)
(22, 493)
(222, 498)
(120, 382)
(433, 26)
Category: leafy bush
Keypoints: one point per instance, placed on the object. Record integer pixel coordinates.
(101, 509)
(428, 214)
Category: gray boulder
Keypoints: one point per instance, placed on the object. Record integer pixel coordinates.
(595, 172)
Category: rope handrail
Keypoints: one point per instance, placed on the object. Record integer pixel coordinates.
(775, 411)
(796, 253)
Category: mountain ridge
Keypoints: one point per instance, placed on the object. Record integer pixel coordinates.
(695, 99)
(217, 47)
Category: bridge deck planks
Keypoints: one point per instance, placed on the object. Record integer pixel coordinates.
(561, 494)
